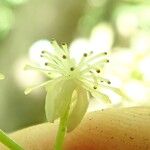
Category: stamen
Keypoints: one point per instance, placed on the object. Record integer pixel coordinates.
(98, 71)
(46, 63)
(85, 54)
(109, 82)
(94, 78)
(104, 80)
(72, 68)
(97, 77)
(56, 68)
(114, 89)
(85, 80)
(89, 82)
(83, 60)
(45, 71)
(35, 68)
(54, 60)
(100, 96)
(95, 87)
(28, 90)
(50, 57)
(96, 93)
(89, 67)
(63, 44)
(64, 57)
(57, 47)
(38, 69)
(65, 48)
(99, 55)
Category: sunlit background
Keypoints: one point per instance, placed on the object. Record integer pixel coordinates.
(120, 27)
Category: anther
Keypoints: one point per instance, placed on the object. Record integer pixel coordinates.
(41, 55)
(64, 57)
(109, 82)
(105, 53)
(42, 52)
(94, 87)
(107, 61)
(46, 64)
(71, 69)
(85, 54)
(63, 43)
(98, 71)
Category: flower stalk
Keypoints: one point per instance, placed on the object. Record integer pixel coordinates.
(61, 131)
(9, 142)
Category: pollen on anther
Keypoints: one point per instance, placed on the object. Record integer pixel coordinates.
(64, 57)
(85, 54)
(72, 68)
(94, 87)
(46, 63)
(98, 71)
(109, 82)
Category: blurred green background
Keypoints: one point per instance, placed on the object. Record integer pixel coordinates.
(122, 26)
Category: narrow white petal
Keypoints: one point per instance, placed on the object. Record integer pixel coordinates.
(101, 38)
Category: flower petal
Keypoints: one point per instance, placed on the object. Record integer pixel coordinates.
(58, 98)
(79, 109)
(101, 38)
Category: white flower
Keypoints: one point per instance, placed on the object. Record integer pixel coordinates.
(71, 83)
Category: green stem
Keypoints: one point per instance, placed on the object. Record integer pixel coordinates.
(61, 131)
(9, 142)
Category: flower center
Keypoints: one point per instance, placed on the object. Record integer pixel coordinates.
(87, 72)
